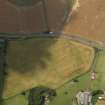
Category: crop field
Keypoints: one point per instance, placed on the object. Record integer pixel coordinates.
(18, 100)
(33, 18)
(48, 62)
(65, 93)
(88, 20)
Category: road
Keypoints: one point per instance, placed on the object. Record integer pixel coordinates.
(76, 38)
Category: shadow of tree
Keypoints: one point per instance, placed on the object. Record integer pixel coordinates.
(30, 54)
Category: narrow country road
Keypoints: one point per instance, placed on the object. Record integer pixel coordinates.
(76, 38)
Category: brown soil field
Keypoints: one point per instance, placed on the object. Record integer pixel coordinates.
(89, 20)
(21, 19)
(32, 18)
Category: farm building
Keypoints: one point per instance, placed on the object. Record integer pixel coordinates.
(84, 98)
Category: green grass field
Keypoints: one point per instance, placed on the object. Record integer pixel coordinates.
(48, 62)
(100, 71)
(85, 82)
(18, 100)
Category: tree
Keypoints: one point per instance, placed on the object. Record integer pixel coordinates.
(37, 95)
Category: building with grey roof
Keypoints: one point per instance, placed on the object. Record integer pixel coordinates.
(84, 98)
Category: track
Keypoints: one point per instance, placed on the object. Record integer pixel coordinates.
(23, 36)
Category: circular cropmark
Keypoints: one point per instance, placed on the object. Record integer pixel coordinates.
(23, 2)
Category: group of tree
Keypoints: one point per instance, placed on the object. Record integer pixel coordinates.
(37, 95)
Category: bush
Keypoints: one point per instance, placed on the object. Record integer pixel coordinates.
(37, 95)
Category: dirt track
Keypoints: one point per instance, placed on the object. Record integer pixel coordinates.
(89, 20)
